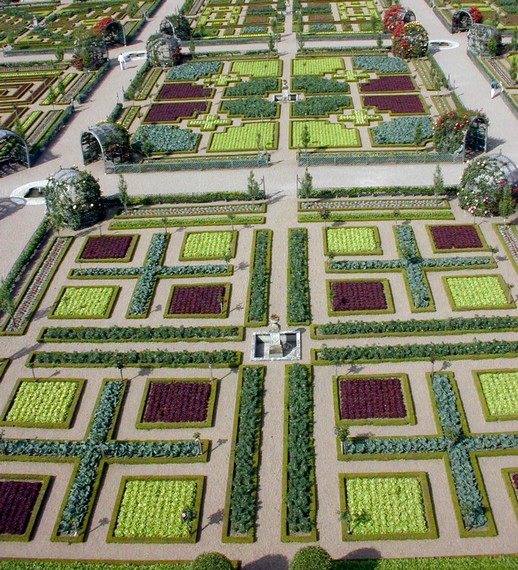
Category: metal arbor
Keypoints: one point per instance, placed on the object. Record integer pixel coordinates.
(106, 141)
(163, 50)
(475, 138)
(461, 20)
(13, 149)
(480, 38)
(73, 199)
(113, 33)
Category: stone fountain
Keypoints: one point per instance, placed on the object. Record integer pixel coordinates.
(276, 344)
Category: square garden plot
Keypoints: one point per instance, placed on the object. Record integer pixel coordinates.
(208, 245)
(149, 509)
(386, 506)
(498, 391)
(108, 248)
(198, 300)
(396, 104)
(85, 302)
(478, 292)
(359, 296)
(373, 399)
(20, 501)
(43, 403)
(363, 240)
(465, 237)
(178, 403)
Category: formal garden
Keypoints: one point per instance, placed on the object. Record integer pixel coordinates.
(196, 273)
(137, 420)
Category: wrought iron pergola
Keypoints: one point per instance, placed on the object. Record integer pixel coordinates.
(13, 148)
(106, 141)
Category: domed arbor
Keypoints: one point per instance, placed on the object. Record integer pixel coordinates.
(73, 199)
(106, 141)
(484, 40)
(475, 139)
(410, 41)
(486, 182)
(111, 30)
(461, 133)
(13, 150)
(90, 51)
(464, 18)
(395, 16)
(163, 50)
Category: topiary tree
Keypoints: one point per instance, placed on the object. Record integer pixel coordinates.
(211, 561)
(410, 41)
(311, 558)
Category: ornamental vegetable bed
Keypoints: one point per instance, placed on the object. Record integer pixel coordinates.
(478, 292)
(19, 502)
(208, 245)
(499, 391)
(366, 399)
(247, 137)
(150, 510)
(183, 91)
(43, 403)
(353, 241)
(396, 104)
(389, 83)
(316, 65)
(323, 134)
(171, 112)
(87, 302)
(357, 296)
(108, 248)
(198, 300)
(387, 506)
(178, 403)
(464, 237)
(257, 68)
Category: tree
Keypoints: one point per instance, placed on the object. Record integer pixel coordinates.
(211, 561)
(325, 214)
(438, 183)
(271, 43)
(59, 53)
(305, 137)
(197, 441)
(231, 218)
(254, 189)
(505, 205)
(182, 27)
(342, 433)
(123, 192)
(306, 185)
(311, 558)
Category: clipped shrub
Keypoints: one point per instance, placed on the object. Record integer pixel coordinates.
(311, 558)
(211, 561)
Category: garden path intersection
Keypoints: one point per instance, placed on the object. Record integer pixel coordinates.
(454, 439)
